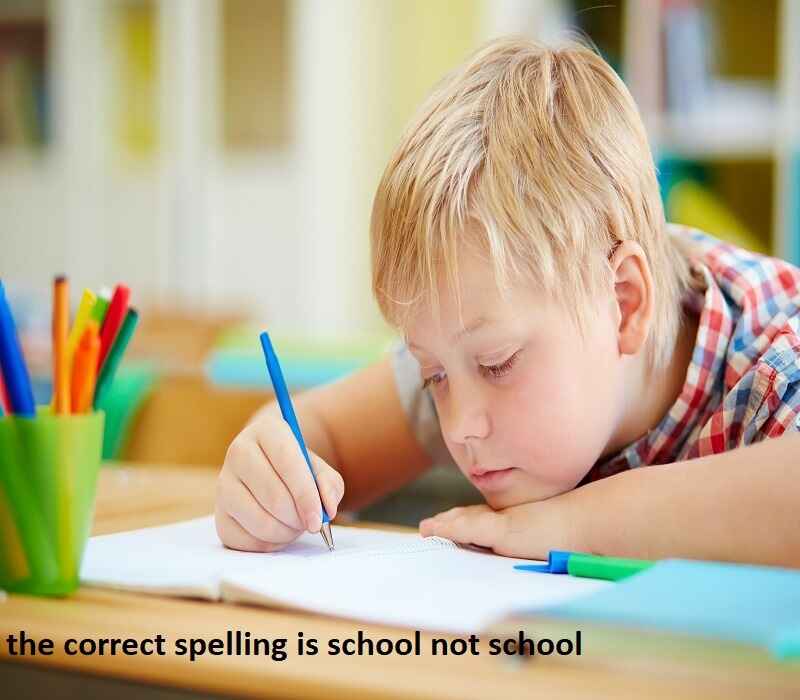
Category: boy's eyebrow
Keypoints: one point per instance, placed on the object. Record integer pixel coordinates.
(466, 330)
(471, 328)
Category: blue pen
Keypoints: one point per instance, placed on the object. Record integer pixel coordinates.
(12, 364)
(287, 411)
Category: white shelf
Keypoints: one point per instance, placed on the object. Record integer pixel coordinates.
(15, 159)
(714, 136)
(742, 120)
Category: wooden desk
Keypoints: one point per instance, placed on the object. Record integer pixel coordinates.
(131, 497)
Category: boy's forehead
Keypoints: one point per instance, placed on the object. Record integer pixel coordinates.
(471, 303)
(480, 307)
(452, 333)
(476, 280)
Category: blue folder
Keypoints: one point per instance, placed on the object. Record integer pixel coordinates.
(752, 604)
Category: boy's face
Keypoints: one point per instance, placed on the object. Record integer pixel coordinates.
(526, 405)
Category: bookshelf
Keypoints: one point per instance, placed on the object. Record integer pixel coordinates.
(255, 103)
(24, 103)
(725, 101)
(224, 153)
(132, 33)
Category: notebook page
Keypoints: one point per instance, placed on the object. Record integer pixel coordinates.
(385, 577)
(428, 584)
(187, 558)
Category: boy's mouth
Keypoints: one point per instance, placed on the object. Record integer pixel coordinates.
(490, 478)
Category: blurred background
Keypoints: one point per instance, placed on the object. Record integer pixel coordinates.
(220, 157)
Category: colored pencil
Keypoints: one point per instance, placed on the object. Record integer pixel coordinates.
(5, 405)
(113, 321)
(88, 300)
(60, 330)
(100, 307)
(108, 369)
(84, 369)
(12, 364)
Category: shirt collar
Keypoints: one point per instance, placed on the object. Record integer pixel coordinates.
(704, 377)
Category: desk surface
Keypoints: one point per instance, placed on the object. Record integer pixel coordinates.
(138, 496)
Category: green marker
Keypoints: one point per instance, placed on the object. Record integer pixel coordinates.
(606, 568)
(114, 357)
(587, 565)
(100, 308)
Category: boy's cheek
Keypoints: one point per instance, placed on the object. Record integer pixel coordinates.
(549, 427)
(553, 449)
(546, 434)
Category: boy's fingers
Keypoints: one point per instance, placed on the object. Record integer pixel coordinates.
(461, 511)
(330, 484)
(234, 536)
(255, 470)
(290, 465)
(478, 525)
(254, 519)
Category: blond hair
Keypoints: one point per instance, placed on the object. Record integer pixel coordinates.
(545, 150)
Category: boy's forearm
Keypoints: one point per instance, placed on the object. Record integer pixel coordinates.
(742, 505)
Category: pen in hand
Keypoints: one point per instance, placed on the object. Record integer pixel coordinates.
(287, 411)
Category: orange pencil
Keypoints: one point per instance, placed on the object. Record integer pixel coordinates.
(60, 330)
(84, 368)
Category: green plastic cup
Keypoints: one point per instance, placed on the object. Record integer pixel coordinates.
(48, 478)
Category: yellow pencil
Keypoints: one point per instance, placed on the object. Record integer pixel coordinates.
(88, 299)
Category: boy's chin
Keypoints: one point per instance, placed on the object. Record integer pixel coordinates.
(501, 501)
(508, 498)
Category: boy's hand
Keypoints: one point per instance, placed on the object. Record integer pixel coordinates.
(528, 531)
(266, 496)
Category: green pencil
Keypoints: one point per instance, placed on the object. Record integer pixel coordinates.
(100, 308)
(109, 368)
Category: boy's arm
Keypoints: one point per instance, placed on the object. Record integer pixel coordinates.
(742, 505)
(359, 427)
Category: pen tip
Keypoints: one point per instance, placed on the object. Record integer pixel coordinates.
(327, 535)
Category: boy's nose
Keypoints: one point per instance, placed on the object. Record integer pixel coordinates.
(467, 418)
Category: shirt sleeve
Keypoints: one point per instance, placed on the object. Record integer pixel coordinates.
(772, 392)
(418, 405)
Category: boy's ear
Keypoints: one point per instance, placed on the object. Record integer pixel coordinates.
(633, 291)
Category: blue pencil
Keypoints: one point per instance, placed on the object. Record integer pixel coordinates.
(287, 411)
(12, 364)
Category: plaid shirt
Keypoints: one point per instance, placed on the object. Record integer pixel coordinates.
(743, 381)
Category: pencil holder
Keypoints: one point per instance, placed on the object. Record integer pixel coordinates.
(48, 477)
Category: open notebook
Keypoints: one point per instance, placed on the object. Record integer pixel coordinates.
(383, 577)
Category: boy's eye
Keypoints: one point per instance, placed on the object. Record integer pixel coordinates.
(433, 379)
(500, 369)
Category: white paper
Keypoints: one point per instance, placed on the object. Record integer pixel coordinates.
(375, 576)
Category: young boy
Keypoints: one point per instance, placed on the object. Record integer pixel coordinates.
(609, 382)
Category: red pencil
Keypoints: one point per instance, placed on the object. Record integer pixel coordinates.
(113, 320)
(4, 402)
